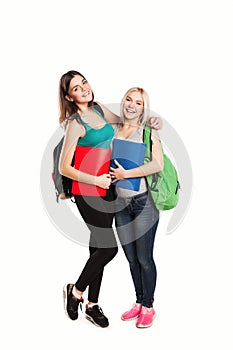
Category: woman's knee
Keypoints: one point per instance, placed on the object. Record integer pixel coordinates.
(114, 251)
(146, 263)
(109, 253)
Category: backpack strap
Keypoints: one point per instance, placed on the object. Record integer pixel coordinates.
(98, 109)
(148, 141)
(79, 119)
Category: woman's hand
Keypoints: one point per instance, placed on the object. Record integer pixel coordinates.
(103, 181)
(118, 173)
(155, 123)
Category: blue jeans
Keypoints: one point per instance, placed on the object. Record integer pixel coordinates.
(136, 223)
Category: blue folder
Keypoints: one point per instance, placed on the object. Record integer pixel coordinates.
(130, 155)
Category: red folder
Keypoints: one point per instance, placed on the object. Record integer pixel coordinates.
(94, 161)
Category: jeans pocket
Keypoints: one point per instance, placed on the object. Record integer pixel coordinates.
(142, 201)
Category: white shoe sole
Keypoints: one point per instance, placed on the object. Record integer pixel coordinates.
(89, 318)
(65, 299)
(129, 319)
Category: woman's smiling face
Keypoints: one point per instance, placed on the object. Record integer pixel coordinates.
(79, 90)
(133, 105)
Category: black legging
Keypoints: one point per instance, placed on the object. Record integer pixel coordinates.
(102, 245)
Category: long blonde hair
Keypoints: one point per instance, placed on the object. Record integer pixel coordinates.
(146, 108)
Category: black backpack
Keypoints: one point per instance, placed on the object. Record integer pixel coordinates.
(63, 184)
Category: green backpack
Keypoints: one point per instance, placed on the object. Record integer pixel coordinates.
(163, 186)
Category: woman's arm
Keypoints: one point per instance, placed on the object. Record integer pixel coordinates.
(155, 122)
(111, 117)
(73, 132)
(154, 166)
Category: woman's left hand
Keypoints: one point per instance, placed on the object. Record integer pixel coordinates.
(118, 173)
(155, 122)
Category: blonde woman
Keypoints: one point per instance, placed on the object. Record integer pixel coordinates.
(136, 216)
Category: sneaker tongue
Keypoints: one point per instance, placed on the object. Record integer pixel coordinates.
(146, 310)
(91, 306)
(97, 308)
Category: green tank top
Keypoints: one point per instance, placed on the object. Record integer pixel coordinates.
(100, 138)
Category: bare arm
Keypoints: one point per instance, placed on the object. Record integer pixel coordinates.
(154, 166)
(111, 117)
(155, 122)
(73, 132)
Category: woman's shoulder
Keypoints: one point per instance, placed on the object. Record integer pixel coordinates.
(99, 107)
(74, 125)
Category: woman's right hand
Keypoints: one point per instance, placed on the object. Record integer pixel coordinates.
(103, 181)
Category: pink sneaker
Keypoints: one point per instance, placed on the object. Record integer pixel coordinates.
(132, 313)
(146, 317)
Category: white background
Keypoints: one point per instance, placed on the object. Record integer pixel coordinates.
(181, 53)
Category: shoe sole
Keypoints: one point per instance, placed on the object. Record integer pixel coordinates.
(129, 319)
(89, 318)
(65, 297)
(141, 326)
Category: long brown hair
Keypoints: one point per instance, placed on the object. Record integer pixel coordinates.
(67, 108)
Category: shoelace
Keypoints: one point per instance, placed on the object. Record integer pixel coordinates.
(98, 311)
(101, 312)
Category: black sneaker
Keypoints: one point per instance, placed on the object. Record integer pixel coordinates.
(71, 303)
(95, 315)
